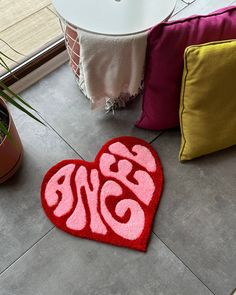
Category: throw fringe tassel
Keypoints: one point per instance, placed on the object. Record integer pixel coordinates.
(111, 104)
(120, 102)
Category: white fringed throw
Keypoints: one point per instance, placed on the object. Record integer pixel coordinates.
(111, 68)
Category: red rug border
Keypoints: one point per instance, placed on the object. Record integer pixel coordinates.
(141, 244)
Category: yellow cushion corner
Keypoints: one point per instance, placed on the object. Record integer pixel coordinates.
(208, 99)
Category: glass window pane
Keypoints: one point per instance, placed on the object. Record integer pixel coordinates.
(26, 27)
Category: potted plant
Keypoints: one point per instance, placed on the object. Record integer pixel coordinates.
(11, 149)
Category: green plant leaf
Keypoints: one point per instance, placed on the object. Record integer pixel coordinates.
(4, 129)
(7, 57)
(10, 96)
(20, 107)
(5, 66)
(7, 133)
(16, 96)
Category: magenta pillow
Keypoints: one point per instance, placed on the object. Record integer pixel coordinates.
(164, 67)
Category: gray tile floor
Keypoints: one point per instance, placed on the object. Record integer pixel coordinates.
(193, 244)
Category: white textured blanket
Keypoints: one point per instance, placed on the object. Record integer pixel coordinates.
(111, 68)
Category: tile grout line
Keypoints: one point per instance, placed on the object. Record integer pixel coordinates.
(181, 260)
(170, 248)
(64, 140)
(44, 235)
(48, 232)
(60, 136)
(67, 143)
(156, 137)
(26, 251)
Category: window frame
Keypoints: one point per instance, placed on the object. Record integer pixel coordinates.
(35, 61)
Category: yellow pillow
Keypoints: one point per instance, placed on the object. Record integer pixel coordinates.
(208, 99)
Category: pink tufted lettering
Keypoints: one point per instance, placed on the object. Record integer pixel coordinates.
(51, 195)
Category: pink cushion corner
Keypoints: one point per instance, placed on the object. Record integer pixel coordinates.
(163, 74)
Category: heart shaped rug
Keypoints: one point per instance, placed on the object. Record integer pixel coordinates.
(113, 199)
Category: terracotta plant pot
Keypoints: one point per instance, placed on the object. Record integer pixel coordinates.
(11, 151)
